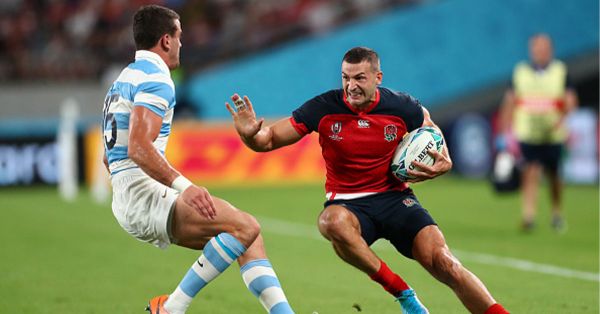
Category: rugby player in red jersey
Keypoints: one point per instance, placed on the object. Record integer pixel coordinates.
(359, 128)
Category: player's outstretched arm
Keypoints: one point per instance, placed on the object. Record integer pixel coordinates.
(442, 162)
(144, 127)
(252, 132)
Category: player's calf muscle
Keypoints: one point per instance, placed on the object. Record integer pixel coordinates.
(446, 267)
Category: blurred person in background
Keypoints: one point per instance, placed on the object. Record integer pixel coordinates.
(152, 201)
(534, 111)
(359, 129)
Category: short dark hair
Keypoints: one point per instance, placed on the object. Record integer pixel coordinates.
(360, 54)
(150, 23)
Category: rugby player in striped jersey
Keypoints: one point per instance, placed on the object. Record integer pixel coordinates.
(151, 200)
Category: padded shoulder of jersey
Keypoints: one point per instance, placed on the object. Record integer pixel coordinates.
(401, 105)
(312, 111)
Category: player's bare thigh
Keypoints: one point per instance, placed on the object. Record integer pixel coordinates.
(192, 230)
(337, 221)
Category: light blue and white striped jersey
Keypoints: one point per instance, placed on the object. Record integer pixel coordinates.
(146, 82)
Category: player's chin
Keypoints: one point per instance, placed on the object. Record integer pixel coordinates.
(356, 101)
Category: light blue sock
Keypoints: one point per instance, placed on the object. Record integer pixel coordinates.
(261, 280)
(217, 255)
(410, 304)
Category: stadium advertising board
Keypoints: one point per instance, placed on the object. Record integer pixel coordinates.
(215, 155)
(30, 160)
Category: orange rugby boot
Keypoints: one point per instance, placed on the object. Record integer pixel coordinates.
(156, 305)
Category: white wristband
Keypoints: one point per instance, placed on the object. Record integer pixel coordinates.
(181, 183)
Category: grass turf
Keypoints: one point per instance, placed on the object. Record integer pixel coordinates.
(62, 257)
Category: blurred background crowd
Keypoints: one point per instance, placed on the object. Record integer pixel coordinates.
(455, 56)
(80, 39)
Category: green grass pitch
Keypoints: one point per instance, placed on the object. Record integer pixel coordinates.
(61, 257)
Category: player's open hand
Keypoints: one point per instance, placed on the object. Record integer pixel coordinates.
(199, 199)
(441, 165)
(244, 117)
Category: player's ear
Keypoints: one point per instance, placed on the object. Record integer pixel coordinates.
(379, 77)
(165, 41)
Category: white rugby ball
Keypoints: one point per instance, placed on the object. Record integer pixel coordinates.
(415, 146)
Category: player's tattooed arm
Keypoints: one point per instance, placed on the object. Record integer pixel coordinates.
(442, 161)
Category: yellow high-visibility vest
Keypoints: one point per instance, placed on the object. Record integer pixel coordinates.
(539, 103)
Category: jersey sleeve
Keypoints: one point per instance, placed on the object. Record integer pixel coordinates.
(306, 118)
(414, 114)
(299, 127)
(155, 96)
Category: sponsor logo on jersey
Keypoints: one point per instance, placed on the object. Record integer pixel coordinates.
(363, 124)
(408, 202)
(336, 128)
(390, 132)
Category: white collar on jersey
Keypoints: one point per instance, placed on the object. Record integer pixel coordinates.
(152, 57)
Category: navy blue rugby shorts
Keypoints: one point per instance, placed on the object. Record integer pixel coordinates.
(393, 215)
(548, 155)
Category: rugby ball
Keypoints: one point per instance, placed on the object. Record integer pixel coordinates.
(415, 146)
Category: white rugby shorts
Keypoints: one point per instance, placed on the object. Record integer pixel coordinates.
(143, 206)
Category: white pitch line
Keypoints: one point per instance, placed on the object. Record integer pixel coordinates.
(525, 265)
(307, 231)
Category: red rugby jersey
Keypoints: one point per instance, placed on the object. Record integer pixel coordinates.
(358, 145)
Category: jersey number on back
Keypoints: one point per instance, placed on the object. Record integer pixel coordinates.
(109, 122)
